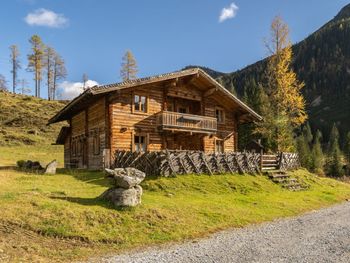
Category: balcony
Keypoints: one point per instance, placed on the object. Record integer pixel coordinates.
(174, 121)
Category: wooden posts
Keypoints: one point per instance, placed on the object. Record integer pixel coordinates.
(167, 163)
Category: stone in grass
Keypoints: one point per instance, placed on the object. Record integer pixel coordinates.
(123, 197)
(51, 167)
(126, 177)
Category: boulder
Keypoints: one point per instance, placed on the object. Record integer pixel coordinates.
(51, 167)
(123, 197)
(126, 177)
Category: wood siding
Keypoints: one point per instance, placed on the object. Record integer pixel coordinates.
(115, 121)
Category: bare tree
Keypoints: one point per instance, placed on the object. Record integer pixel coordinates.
(35, 61)
(3, 83)
(49, 61)
(14, 59)
(59, 72)
(85, 79)
(24, 88)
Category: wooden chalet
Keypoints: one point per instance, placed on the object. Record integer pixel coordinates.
(185, 110)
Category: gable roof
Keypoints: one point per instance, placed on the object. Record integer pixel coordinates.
(98, 91)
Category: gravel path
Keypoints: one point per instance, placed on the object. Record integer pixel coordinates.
(319, 236)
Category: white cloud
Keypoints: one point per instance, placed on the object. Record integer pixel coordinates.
(68, 90)
(228, 12)
(44, 17)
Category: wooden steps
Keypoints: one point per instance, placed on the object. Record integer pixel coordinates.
(286, 181)
(269, 162)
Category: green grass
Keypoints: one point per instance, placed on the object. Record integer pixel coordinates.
(67, 206)
(45, 153)
(23, 120)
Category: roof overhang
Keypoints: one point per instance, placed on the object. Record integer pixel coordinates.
(96, 92)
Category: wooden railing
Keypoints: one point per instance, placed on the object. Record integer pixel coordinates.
(168, 120)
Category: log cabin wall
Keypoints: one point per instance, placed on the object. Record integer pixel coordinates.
(77, 139)
(67, 152)
(226, 130)
(126, 121)
(96, 134)
(84, 147)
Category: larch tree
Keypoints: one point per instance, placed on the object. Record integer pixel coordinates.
(49, 55)
(59, 72)
(347, 148)
(35, 61)
(24, 88)
(3, 83)
(15, 65)
(129, 66)
(283, 88)
(85, 78)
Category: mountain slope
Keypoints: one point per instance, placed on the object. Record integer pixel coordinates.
(322, 61)
(23, 120)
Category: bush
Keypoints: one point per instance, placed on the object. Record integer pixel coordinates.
(21, 163)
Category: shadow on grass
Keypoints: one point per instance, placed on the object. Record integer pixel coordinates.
(95, 177)
(87, 176)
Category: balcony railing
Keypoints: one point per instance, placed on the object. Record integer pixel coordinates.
(175, 121)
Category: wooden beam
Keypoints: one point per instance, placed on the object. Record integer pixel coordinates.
(209, 92)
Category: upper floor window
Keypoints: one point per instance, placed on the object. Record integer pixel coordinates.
(182, 110)
(220, 115)
(140, 103)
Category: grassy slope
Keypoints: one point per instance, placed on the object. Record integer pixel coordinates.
(173, 209)
(20, 117)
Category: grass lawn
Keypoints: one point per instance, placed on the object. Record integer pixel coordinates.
(60, 218)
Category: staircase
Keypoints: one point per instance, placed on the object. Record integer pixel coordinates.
(269, 162)
(286, 181)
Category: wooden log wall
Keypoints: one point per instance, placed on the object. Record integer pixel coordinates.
(289, 161)
(168, 163)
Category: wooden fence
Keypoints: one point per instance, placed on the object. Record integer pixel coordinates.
(167, 163)
(289, 161)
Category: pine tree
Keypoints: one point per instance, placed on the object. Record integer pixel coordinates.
(333, 137)
(129, 66)
(317, 154)
(335, 165)
(347, 152)
(35, 61)
(14, 59)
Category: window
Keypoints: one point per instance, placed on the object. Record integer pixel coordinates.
(96, 143)
(182, 110)
(219, 146)
(140, 143)
(140, 103)
(220, 115)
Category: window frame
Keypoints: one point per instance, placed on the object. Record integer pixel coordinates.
(139, 108)
(222, 145)
(146, 142)
(223, 117)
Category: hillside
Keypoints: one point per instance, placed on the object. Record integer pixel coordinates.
(23, 120)
(322, 61)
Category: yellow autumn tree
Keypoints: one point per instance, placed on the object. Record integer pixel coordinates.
(287, 104)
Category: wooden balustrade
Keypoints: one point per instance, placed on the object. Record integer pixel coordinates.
(186, 122)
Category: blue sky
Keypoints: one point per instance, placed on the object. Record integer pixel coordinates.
(93, 35)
